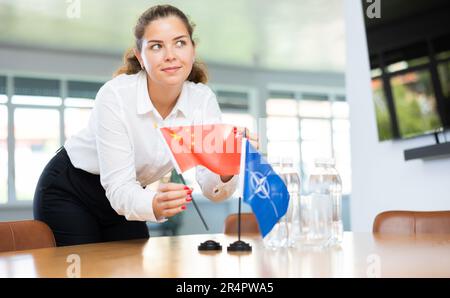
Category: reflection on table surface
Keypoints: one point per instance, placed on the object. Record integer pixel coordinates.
(360, 255)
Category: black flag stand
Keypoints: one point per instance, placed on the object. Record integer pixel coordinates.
(239, 245)
(208, 244)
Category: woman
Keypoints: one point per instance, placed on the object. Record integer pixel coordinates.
(93, 190)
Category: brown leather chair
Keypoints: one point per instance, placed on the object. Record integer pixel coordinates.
(412, 222)
(249, 225)
(26, 234)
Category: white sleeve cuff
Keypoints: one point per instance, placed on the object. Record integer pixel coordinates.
(213, 187)
(143, 207)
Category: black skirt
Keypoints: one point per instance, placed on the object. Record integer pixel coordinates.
(72, 202)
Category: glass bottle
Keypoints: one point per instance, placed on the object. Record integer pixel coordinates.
(337, 228)
(291, 178)
(318, 210)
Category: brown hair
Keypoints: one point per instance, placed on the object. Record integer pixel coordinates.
(131, 63)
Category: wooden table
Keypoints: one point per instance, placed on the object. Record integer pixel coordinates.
(360, 255)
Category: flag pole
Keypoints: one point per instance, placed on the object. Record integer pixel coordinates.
(239, 219)
(240, 198)
(195, 204)
(240, 245)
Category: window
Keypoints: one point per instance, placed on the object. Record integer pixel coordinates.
(282, 128)
(38, 106)
(316, 133)
(315, 142)
(75, 120)
(340, 109)
(78, 105)
(307, 128)
(3, 154)
(283, 139)
(36, 125)
(36, 140)
(312, 108)
(283, 107)
(232, 100)
(36, 100)
(76, 115)
(31, 91)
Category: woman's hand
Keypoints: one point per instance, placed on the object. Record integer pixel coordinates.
(171, 199)
(254, 141)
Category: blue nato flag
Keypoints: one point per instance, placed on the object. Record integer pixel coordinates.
(263, 190)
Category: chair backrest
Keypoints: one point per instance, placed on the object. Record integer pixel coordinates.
(249, 225)
(26, 234)
(412, 222)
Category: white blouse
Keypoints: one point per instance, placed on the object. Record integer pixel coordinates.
(122, 144)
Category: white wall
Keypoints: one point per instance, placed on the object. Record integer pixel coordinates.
(381, 179)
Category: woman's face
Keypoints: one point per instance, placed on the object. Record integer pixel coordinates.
(167, 51)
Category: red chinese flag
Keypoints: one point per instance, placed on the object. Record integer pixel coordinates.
(217, 147)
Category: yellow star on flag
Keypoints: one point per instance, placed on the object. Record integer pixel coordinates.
(175, 136)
